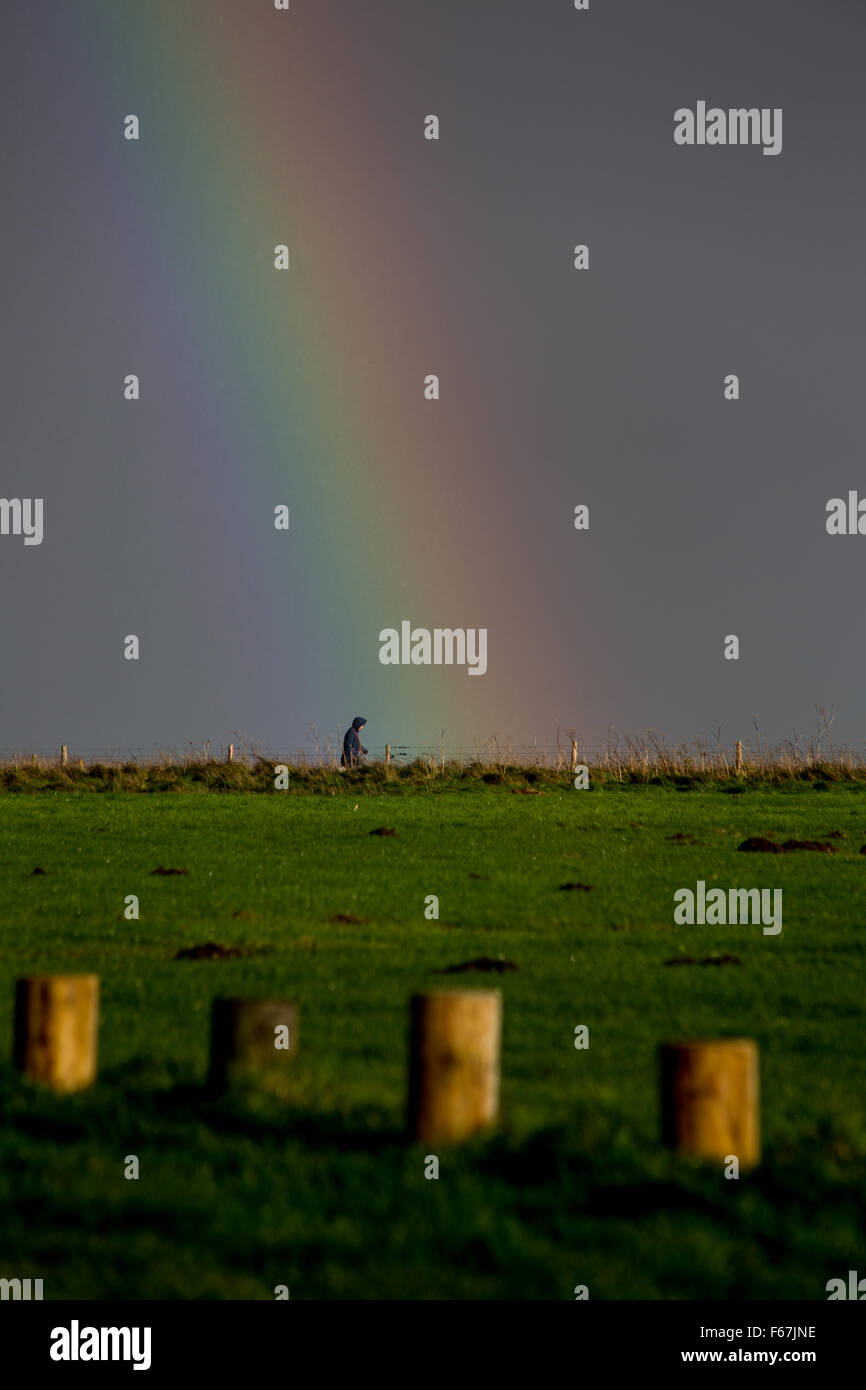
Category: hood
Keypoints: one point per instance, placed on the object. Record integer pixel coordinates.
(358, 722)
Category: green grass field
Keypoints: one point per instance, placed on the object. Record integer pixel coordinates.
(240, 1194)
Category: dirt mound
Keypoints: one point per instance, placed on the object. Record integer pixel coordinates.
(817, 845)
(383, 830)
(714, 958)
(210, 950)
(166, 873)
(349, 919)
(757, 844)
(575, 887)
(498, 964)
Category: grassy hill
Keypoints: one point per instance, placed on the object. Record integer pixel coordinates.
(320, 1192)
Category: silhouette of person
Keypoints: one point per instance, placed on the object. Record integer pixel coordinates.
(353, 752)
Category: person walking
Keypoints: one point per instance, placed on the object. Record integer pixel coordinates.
(353, 752)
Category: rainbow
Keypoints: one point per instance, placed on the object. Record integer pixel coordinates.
(306, 387)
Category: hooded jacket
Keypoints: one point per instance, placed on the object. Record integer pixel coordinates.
(352, 749)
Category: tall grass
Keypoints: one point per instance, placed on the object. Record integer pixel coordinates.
(627, 759)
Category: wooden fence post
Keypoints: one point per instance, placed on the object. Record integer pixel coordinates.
(711, 1098)
(252, 1040)
(454, 1047)
(231, 753)
(64, 755)
(56, 1027)
(387, 755)
(739, 757)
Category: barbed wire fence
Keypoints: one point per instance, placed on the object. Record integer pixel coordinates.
(565, 751)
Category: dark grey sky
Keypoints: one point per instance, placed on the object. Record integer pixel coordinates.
(707, 517)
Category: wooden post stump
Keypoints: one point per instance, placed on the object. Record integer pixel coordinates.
(56, 1026)
(454, 1044)
(387, 755)
(64, 755)
(231, 753)
(252, 1043)
(711, 1098)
